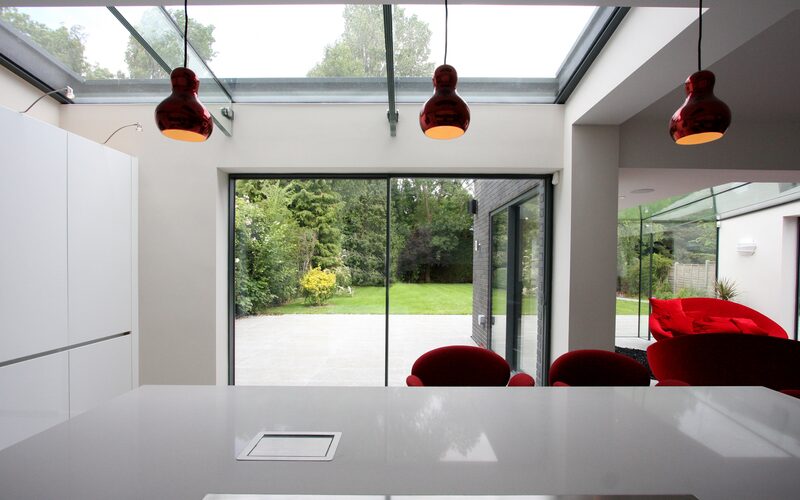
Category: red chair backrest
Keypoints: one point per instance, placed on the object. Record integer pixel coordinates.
(592, 367)
(729, 309)
(727, 359)
(461, 365)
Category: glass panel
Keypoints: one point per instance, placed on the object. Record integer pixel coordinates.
(499, 281)
(309, 282)
(431, 294)
(83, 47)
(531, 235)
(628, 259)
(514, 58)
(306, 52)
(754, 196)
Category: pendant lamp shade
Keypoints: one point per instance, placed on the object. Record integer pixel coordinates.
(181, 116)
(445, 115)
(703, 117)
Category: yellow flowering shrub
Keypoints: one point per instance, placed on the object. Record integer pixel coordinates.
(318, 286)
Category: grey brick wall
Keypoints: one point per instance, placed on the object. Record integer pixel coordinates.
(491, 194)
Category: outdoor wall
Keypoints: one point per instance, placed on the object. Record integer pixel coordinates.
(491, 194)
(183, 197)
(766, 280)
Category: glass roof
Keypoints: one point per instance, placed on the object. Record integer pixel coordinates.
(716, 203)
(303, 53)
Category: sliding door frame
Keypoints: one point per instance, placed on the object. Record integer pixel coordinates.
(388, 177)
(513, 273)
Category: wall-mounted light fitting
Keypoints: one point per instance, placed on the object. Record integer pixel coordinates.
(746, 246)
(68, 93)
(137, 125)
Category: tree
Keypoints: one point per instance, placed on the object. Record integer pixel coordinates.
(166, 43)
(364, 229)
(316, 206)
(65, 44)
(432, 230)
(266, 246)
(361, 50)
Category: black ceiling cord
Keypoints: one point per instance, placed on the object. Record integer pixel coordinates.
(185, 32)
(700, 35)
(445, 31)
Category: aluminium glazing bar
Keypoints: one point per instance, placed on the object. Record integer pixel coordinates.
(388, 36)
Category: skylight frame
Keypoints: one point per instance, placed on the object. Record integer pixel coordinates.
(45, 72)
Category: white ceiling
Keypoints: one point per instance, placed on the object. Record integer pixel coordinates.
(759, 81)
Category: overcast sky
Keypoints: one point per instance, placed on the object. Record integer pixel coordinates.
(288, 40)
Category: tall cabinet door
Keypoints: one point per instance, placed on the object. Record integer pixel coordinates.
(99, 241)
(33, 236)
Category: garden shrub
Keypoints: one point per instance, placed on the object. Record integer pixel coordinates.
(318, 286)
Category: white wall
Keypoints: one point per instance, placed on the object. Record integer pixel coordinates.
(585, 246)
(766, 280)
(182, 206)
(751, 144)
(16, 93)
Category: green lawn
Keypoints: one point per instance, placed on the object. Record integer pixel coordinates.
(405, 298)
(629, 307)
(409, 298)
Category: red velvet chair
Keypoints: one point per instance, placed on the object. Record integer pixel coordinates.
(674, 317)
(725, 359)
(462, 365)
(591, 367)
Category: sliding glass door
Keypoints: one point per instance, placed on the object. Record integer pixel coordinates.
(309, 274)
(347, 281)
(518, 285)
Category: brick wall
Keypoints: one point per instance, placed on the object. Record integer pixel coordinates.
(491, 194)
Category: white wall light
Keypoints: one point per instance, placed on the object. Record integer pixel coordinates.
(746, 246)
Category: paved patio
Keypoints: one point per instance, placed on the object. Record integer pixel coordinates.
(348, 349)
(339, 349)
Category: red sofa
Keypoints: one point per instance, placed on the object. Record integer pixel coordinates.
(676, 317)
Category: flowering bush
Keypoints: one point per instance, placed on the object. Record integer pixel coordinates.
(318, 286)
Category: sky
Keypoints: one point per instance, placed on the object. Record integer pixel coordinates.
(288, 40)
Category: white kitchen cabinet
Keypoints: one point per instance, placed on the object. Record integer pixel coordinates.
(67, 290)
(99, 240)
(33, 236)
(98, 372)
(33, 397)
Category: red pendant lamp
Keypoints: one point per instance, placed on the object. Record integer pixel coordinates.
(445, 115)
(703, 117)
(182, 116)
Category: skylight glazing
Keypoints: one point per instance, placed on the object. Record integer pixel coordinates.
(304, 53)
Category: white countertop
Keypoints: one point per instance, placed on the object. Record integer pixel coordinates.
(181, 442)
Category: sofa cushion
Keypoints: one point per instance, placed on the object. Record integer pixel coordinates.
(714, 324)
(747, 325)
(671, 316)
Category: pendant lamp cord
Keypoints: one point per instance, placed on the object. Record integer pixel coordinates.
(445, 31)
(699, 37)
(185, 32)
